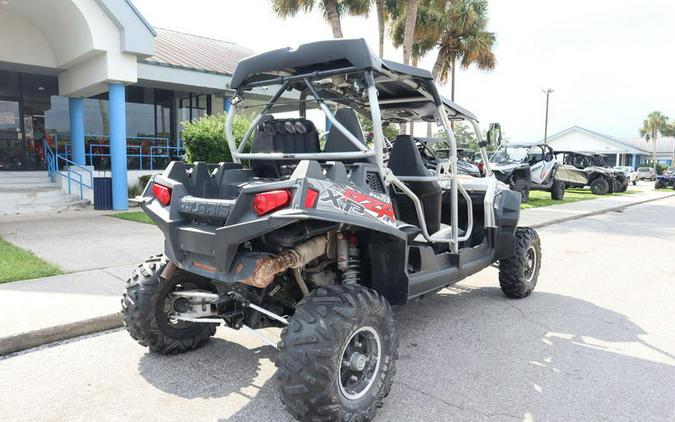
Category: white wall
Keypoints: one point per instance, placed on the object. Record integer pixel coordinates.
(582, 141)
(85, 41)
(33, 50)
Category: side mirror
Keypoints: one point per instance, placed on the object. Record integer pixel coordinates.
(494, 134)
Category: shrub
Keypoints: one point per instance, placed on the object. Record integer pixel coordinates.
(137, 189)
(143, 180)
(204, 138)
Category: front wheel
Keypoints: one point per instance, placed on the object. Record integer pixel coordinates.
(518, 275)
(523, 186)
(148, 302)
(337, 356)
(558, 190)
(634, 182)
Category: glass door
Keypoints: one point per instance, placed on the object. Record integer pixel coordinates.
(12, 150)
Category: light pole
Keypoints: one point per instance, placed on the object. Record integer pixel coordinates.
(548, 92)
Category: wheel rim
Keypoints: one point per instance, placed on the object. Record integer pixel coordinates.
(360, 363)
(530, 263)
(169, 306)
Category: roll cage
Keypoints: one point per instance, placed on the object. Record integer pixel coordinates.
(347, 73)
(528, 155)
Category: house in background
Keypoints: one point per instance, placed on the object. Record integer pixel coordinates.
(623, 152)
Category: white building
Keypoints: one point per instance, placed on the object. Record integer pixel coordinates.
(89, 84)
(625, 152)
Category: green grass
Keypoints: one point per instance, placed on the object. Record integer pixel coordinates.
(543, 199)
(137, 216)
(18, 264)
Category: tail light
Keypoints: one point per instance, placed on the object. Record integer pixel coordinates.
(311, 197)
(266, 202)
(162, 193)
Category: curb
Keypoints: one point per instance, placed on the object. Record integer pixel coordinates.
(23, 341)
(44, 336)
(598, 212)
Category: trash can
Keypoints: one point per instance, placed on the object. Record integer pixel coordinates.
(102, 193)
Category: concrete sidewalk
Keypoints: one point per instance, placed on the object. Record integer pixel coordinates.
(55, 308)
(82, 240)
(544, 216)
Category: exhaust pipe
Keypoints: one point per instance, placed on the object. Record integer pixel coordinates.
(266, 268)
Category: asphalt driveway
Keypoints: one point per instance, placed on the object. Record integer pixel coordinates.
(596, 341)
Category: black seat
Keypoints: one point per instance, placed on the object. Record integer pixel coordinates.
(405, 160)
(292, 136)
(336, 141)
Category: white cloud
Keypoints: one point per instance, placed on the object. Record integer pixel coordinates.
(610, 62)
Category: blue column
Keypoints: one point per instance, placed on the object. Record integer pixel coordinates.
(329, 124)
(76, 110)
(118, 145)
(226, 105)
(634, 161)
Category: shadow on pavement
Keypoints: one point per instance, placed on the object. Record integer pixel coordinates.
(216, 370)
(472, 354)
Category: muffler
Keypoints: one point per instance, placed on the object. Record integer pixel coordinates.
(267, 267)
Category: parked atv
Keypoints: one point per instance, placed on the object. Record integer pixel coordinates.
(528, 167)
(667, 179)
(321, 241)
(579, 170)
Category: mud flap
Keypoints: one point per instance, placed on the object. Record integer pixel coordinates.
(387, 258)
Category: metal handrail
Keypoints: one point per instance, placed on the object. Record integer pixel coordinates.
(53, 168)
(159, 149)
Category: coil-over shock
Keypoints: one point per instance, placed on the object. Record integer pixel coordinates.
(349, 258)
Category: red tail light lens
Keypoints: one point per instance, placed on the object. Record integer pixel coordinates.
(266, 202)
(311, 197)
(162, 193)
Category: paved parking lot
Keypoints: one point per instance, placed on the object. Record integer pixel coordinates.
(596, 341)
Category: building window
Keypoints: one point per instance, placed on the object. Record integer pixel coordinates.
(190, 106)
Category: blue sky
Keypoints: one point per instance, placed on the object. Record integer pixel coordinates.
(610, 62)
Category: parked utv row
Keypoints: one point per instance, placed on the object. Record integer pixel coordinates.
(539, 167)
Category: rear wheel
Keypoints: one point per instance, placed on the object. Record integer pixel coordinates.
(148, 302)
(558, 190)
(337, 356)
(660, 184)
(518, 275)
(523, 186)
(635, 182)
(599, 186)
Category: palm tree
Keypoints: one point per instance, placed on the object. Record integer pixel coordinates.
(465, 41)
(411, 7)
(382, 16)
(430, 20)
(653, 126)
(457, 29)
(332, 10)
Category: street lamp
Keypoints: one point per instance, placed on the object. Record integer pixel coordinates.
(548, 92)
